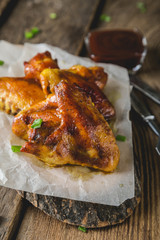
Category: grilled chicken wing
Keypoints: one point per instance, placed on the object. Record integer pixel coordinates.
(19, 93)
(75, 134)
(51, 77)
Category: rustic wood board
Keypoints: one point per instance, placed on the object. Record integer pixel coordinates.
(84, 214)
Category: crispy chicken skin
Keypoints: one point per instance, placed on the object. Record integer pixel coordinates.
(74, 111)
(53, 76)
(19, 93)
(40, 69)
(47, 110)
(95, 75)
(92, 74)
(37, 64)
(75, 134)
(41, 61)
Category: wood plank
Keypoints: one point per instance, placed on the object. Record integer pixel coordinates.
(6, 7)
(3, 5)
(10, 212)
(66, 31)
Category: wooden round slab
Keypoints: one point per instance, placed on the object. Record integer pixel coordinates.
(89, 215)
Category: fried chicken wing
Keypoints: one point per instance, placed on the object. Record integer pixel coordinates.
(51, 77)
(73, 110)
(40, 69)
(47, 110)
(37, 64)
(42, 61)
(78, 134)
(19, 93)
(92, 74)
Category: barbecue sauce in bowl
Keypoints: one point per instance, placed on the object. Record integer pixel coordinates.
(126, 48)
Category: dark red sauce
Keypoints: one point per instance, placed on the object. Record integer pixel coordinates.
(122, 47)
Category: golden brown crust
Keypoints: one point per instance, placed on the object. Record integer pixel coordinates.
(46, 110)
(92, 74)
(54, 76)
(19, 93)
(74, 129)
(45, 71)
(37, 64)
(80, 137)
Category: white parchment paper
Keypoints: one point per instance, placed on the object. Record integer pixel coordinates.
(23, 172)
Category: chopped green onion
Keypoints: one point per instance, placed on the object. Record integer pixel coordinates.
(141, 6)
(83, 229)
(37, 123)
(35, 30)
(28, 35)
(121, 138)
(105, 18)
(16, 148)
(1, 62)
(53, 15)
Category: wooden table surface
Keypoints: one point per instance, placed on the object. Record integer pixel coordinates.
(19, 220)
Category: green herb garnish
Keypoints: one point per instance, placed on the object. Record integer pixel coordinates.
(121, 138)
(35, 30)
(83, 229)
(37, 123)
(16, 148)
(1, 62)
(105, 18)
(141, 6)
(53, 15)
(30, 34)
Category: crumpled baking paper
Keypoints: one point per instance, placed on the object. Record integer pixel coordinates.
(24, 172)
